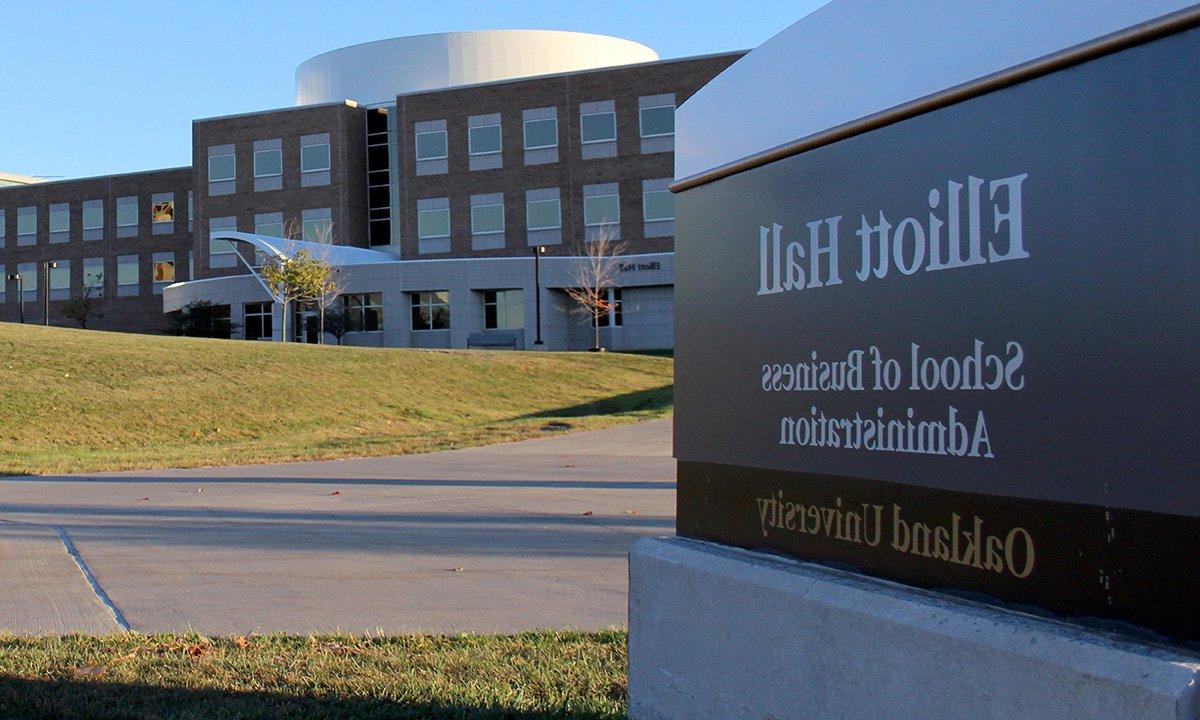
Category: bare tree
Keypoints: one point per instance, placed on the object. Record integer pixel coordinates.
(83, 306)
(593, 275)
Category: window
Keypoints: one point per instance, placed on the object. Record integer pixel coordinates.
(218, 246)
(269, 224)
(257, 317)
(127, 212)
(431, 145)
(487, 219)
(616, 317)
(60, 218)
(364, 312)
(601, 210)
(503, 309)
(222, 168)
(484, 140)
(657, 121)
(30, 274)
(60, 276)
(314, 158)
(316, 225)
(127, 273)
(164, 268)
(541, 133)
(93, 215)
(163, 211)
(658, 205)
(26, 223)
(598, 127)
(433, 223)
(93, 276)
(269, 163)
(3, 230)
(431, 310)
(543, 214)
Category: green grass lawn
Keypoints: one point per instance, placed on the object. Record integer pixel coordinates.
(85, 401)
(534, 676)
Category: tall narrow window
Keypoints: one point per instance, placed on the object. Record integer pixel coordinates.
(315, 160)
(60, 222)
(127, 275)
(93, 219)
(379, 189)
(127, 216)
(27, 221)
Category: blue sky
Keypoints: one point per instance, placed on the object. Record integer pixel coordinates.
(93, 88)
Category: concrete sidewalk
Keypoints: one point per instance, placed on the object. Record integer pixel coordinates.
(493, 539)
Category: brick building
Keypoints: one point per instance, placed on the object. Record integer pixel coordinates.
(449, 159)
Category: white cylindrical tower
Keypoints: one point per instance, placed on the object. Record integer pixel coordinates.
(376, 72)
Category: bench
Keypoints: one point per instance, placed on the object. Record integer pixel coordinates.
(493, 340)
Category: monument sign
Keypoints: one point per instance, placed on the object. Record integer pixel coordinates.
(961, 350)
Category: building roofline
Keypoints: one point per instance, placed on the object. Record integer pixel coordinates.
(661, 61)
(348, 102)
(42, 183)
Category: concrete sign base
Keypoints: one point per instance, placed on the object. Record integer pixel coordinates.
(724, 633)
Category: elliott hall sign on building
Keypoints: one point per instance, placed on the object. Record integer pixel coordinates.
(955, 343)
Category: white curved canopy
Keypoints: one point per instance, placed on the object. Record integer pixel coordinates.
(284, 248)
(851, 59)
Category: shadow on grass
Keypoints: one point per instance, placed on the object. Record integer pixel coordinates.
(98, 700)
(657, 399)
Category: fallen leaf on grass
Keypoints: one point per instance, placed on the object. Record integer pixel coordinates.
(241, 642)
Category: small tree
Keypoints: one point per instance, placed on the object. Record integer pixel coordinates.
(324, 294)
(299, 277)
(336, 321)
(593, 275)
(83, 306)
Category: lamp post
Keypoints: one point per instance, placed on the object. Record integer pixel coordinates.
(538, 251)
(47, 267)
(20, 280)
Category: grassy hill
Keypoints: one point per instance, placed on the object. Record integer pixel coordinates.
(83, 401)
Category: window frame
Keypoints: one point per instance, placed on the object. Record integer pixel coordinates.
(525, 133)
(265, 317)
(232, 164)
(417, 302)
(328, 158)
(136, 205)
(276, 151)
(645, 208)
(642, 123)
(617, 221)
(529, 227)
(449, 229)
(417, 145)
(495, 303)
(488, 232)
(471, 144)
(583, 116)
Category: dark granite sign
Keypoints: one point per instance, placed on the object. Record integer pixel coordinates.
(962, 350)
